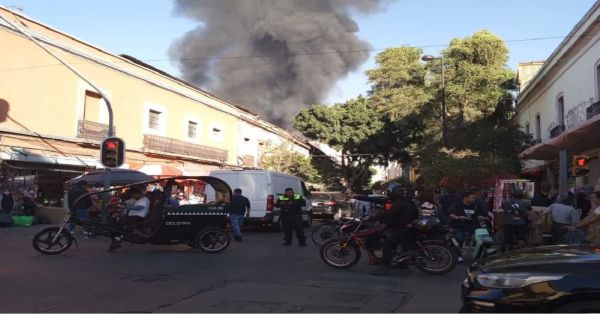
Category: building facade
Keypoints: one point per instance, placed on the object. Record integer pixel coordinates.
(560, 108)
(52, 121)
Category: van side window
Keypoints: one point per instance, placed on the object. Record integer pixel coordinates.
(305, 191)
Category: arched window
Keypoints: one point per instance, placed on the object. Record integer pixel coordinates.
(560, 111)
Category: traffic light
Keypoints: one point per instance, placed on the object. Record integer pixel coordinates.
(581, 165)
(112, 152)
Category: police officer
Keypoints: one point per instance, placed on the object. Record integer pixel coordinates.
(291, 205)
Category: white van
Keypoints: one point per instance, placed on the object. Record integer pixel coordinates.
(263, 188)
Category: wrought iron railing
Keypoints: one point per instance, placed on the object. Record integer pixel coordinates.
(556, 131)
(93, 130)
(171, 145)
(593, 110)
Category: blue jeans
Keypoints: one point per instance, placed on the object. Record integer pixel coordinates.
(83, 214)
(236, 223)
(459, 236)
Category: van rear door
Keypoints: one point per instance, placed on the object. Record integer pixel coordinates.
(255, 186)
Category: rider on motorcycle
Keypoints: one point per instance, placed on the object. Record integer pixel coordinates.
(397, 221)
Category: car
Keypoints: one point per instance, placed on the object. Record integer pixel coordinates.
(262, 188)
(328, 204)
(562, 278)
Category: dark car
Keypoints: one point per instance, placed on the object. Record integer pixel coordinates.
(328, 204)
(563, 278)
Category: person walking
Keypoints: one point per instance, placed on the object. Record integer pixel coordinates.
(239, 208)
(290, 205)
(515, 219)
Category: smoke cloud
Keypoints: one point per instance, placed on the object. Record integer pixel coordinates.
(227, 52)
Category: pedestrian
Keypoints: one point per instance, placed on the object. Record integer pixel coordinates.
(239, 208)
(81, 208)
(565, 218)
(8, 202)
(583, 204)
(290, 205)
(447, 201)
(464, 217)
(515, 219)
(592, 222)
(480, 202)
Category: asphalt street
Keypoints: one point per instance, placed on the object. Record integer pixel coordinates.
(258, 275)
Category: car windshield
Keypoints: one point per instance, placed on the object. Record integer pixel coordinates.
(321, 196)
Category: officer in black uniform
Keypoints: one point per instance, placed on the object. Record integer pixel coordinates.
(291, 205)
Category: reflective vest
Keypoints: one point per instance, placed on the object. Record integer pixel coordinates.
(285, 198)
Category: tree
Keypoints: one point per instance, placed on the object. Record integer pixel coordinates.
(476, 68)
(345, 127)
(398, 82)
(282, 159)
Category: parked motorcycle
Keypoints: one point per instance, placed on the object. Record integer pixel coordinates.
(435, 251)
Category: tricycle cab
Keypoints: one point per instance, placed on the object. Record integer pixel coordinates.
(184, 222)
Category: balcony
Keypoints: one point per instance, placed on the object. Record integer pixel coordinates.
(556, 131)
(536, 141)
(593, 110)
(170, 145)
(93, 130)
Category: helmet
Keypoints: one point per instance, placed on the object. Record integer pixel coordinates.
(427, 223)
(397, 192)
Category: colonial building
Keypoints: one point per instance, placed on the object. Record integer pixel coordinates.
(51, 120)
(560, 108)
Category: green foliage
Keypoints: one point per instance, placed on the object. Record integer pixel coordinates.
(282, 159)
(401, 118)
(398, 81)
(476, 71)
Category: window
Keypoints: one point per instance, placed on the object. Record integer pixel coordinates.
(154, 120)
(246, 139)
(560, 109)
(192, 129)
(527, 129)
(217, 133)
(538, 127)
(92, 106)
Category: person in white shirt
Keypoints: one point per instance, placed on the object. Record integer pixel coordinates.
(135, 212)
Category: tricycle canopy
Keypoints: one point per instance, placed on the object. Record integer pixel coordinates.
(118, 177)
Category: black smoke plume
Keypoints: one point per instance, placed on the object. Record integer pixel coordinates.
(274, 57)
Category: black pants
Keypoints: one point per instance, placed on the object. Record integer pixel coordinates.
(402, 236)
(292, 222)
(512, 232)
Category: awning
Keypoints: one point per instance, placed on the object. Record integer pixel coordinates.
(582, 138)
(46, 151)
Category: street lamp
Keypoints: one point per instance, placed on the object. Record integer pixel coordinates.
(428, 58)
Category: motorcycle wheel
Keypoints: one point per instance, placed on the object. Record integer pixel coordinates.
(340, 254)
(43, 241)
(324, 232)
(436, 258)
(212, 240)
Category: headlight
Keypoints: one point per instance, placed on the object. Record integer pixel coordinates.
(514, 280)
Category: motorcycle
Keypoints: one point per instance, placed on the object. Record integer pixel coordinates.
(435, 251)
(330, 228)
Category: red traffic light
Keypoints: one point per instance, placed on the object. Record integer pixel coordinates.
(111, 145)
(582, 162)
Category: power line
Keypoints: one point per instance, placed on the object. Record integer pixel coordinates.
(288, 55)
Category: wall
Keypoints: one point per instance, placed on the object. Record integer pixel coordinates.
(45, 97)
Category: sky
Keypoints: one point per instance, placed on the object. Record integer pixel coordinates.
(145, 29)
